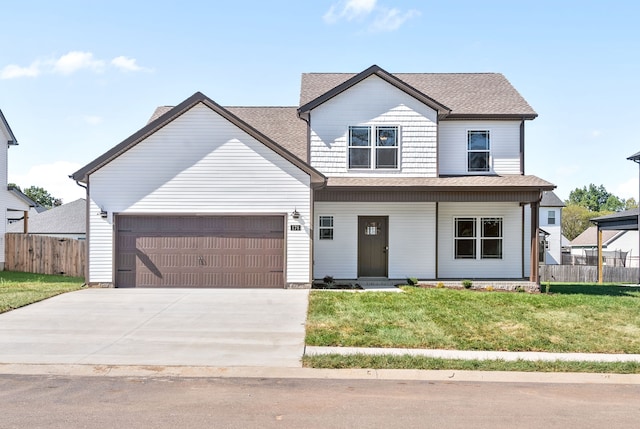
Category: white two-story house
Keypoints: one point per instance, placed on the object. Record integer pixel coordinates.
(373, 175)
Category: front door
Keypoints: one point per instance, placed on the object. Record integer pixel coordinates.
(373, 246)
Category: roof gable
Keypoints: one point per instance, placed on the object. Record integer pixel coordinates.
(379, 72)
(168, 116)
(550, 199)
(4, 125)
(466, 95)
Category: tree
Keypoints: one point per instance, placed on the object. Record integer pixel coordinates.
(630, 204)
(41, 196)
(596, 199)
(575, 219)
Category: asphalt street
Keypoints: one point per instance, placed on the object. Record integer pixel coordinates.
(54, 401)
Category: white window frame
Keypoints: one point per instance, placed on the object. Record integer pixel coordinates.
(470, 151)
(374, 147)
(551, 215)
(478, 237)
(329, 228)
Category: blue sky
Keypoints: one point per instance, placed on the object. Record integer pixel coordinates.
(78, 77)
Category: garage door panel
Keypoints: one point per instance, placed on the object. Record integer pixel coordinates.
(200, 251)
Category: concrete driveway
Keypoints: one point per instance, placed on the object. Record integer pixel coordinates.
(210, 327)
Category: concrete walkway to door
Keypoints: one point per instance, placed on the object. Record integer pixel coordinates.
(209, 327)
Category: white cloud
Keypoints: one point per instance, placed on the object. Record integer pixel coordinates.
(349, 10)
(391, 19)
(126, 64)
(92, 120)
(627, 189)
(385, 19)
(54, 178)
(596, 133)
(76, 60)
(13, 71)
(70, 63)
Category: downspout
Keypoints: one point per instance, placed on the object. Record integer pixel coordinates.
(86, 229)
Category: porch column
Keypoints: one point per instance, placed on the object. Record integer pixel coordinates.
(599, 255)
(535, 266)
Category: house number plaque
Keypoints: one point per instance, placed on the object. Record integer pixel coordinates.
(295, 228)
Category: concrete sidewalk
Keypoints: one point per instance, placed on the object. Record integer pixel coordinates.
(476, 355)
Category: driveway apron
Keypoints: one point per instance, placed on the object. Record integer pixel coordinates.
(209, 327)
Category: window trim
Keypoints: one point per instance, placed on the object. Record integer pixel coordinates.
(322, 227)
(478, 237)
(549, 217)
(489, 168)
(374, 147)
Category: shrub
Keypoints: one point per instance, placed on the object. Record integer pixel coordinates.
(489, 288)
(412, 281)
(521, 289)
(467, 284)
(328, 280)
(440, 285)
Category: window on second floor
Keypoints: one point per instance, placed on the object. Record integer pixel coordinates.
(373, 147)
(478, 151)
(551, 217)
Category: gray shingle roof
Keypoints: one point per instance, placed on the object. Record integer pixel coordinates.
(550, 199)
(68, 218)
(466, 94)
(589, 237)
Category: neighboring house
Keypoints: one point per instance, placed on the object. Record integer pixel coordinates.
(551, 222)
(619, 247)
(375, 175)
(65, 221)
(9, 203)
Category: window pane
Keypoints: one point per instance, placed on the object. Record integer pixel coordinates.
(326, 221)
(387, 158)
(465, 249)
(326, 233)
(551, 220)
(359, 136)
(359, 158)
(465, 227)
(387, 136)
(492, 249)
(491, 227)
(478, 161)
(478, 140)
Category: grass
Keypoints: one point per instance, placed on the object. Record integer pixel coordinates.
(333, 361)
(20, 289)
(572, 318)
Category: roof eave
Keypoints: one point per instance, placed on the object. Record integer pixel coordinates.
(492, 116)
(12, 138)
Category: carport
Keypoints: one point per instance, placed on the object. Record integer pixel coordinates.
(623, 221)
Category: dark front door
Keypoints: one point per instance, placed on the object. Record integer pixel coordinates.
(373, 246)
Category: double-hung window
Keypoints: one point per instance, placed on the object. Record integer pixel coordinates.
(325, 227)
(478, 236)
(551, 217)
(478, 151)
(373, 147)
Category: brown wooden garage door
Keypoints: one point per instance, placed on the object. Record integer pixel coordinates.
(199, 251)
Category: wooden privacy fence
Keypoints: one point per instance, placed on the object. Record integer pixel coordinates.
(44, 255)
(587, 273)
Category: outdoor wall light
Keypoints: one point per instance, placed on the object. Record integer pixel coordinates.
(103, 214)
(295, 214)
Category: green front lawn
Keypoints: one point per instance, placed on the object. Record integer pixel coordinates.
(20, 289)
(573, 318)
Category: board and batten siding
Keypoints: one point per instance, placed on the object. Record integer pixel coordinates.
(374, 102)
(199, 164)
(411, 239)
(504, 145)
(510, 266)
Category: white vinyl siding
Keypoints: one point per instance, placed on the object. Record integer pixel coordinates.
(411, 239)
(510, 266)
(200, 164)
(553, 254)
(369, 103)
(504, 144)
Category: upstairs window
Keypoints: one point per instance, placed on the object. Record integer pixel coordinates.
(373, 147)
(551, 217)
(478, 151)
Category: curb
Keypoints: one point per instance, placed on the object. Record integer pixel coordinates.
(311, 373)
